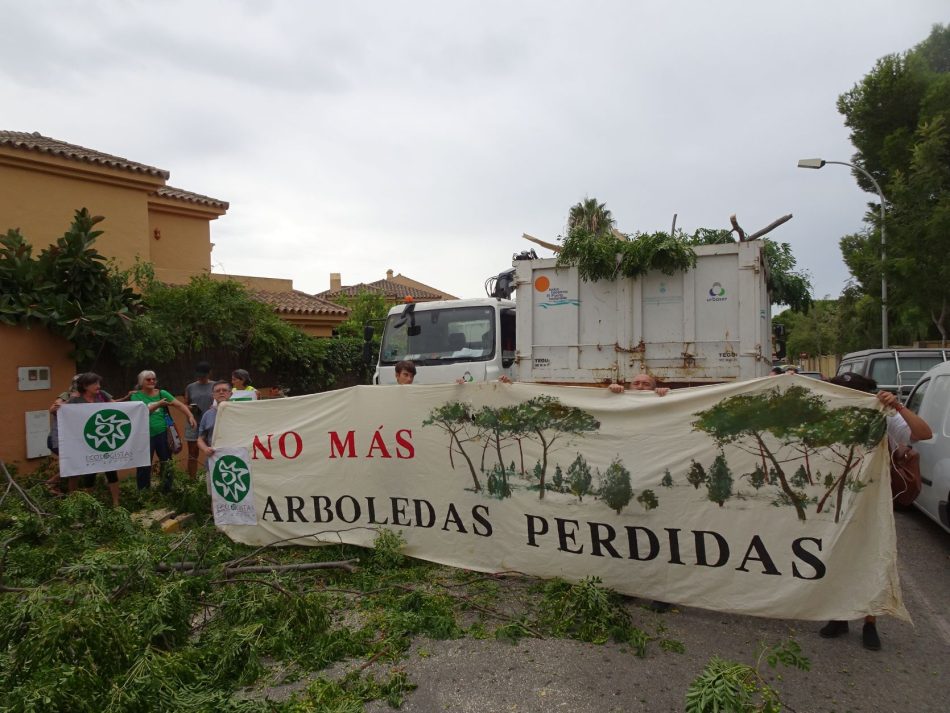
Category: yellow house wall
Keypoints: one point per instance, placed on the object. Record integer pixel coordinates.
(42, 206)
(183, 248)
(28, 347)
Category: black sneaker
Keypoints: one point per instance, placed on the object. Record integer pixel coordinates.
(870, 638)
(833, 629)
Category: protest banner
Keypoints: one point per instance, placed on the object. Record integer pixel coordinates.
(767, 497)
(94, 438)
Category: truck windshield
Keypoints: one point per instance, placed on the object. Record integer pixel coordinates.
(439, 336)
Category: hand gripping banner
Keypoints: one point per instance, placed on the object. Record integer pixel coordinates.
(767, 497)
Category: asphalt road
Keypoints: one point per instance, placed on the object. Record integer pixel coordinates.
(910, 673)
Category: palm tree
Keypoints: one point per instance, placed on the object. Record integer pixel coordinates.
(591, 216)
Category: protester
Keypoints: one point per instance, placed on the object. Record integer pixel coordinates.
(221, 391)
(242, 389)
(157, 400)
(89, 391)
(54, 482)
(198, 398)
(903, 427)
(776, 371)
(405, 372)
(792, 369)
(641, 382)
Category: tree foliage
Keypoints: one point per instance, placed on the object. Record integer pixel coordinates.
(600, 252)
(209, 314)
(899, 116)
(70, 288)
(795, 420)
(365, 308)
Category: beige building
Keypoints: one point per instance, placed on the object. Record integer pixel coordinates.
(43, 181)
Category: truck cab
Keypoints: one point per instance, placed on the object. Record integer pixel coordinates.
(469, 339)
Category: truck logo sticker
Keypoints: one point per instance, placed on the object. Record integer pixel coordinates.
(557, 297)
(717, 293)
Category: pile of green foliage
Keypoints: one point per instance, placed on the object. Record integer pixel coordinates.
(600, 252)
(69, 288)
(98, 613)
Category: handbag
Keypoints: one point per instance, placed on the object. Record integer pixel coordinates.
(171, 433)
(905, 475)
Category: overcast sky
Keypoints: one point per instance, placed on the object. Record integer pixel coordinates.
(426, 137)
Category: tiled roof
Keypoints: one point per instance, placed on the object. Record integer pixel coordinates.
(189, 197)
(400, 291)
(392, 290)
(44, 144)
(297, 302)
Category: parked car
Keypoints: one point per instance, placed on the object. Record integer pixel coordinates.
(930, 400)
(812, 375)
(894, 370)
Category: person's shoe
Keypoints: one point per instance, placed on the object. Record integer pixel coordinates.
(870, 638)
(659, 607)
(833, 629)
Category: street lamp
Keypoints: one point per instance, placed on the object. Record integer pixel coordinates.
(818, 163)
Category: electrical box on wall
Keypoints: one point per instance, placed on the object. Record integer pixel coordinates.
(33, 378)
(37, 428)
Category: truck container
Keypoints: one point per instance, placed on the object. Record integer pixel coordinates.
(707, 325)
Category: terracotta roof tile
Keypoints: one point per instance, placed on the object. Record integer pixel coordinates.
(398, 290)
(44, 144)
(189, 197)
(392, 290)
(297, 302)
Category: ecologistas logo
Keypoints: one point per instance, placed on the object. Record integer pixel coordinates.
(107, 430)
(231, 478)
(717, 293)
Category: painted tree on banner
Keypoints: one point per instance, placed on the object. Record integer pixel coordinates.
(543, 419)
(786, 429)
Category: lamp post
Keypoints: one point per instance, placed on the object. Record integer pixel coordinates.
(818, 163)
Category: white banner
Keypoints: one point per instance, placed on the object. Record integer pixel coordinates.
(232, 491)
(94, 438)
(768, 497)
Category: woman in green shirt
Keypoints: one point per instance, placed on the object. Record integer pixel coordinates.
(157, 400)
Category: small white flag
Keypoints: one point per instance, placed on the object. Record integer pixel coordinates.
(232, 492)
(94, 438)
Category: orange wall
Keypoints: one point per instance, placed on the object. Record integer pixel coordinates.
(28, 347)
(183, 248)
(42, 206)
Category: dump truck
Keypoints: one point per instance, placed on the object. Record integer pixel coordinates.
(709, 324)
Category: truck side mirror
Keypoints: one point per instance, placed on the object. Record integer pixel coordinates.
(368, 332)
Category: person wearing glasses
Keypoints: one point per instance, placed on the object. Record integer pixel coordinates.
(157, 400)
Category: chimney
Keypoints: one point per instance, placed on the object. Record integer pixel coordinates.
(389, 274)
(335, 282)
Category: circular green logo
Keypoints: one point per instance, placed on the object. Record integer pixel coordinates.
(231, 478)
(107, 430)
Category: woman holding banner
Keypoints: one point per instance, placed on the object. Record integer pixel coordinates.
(89, 386)
(157, 400)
